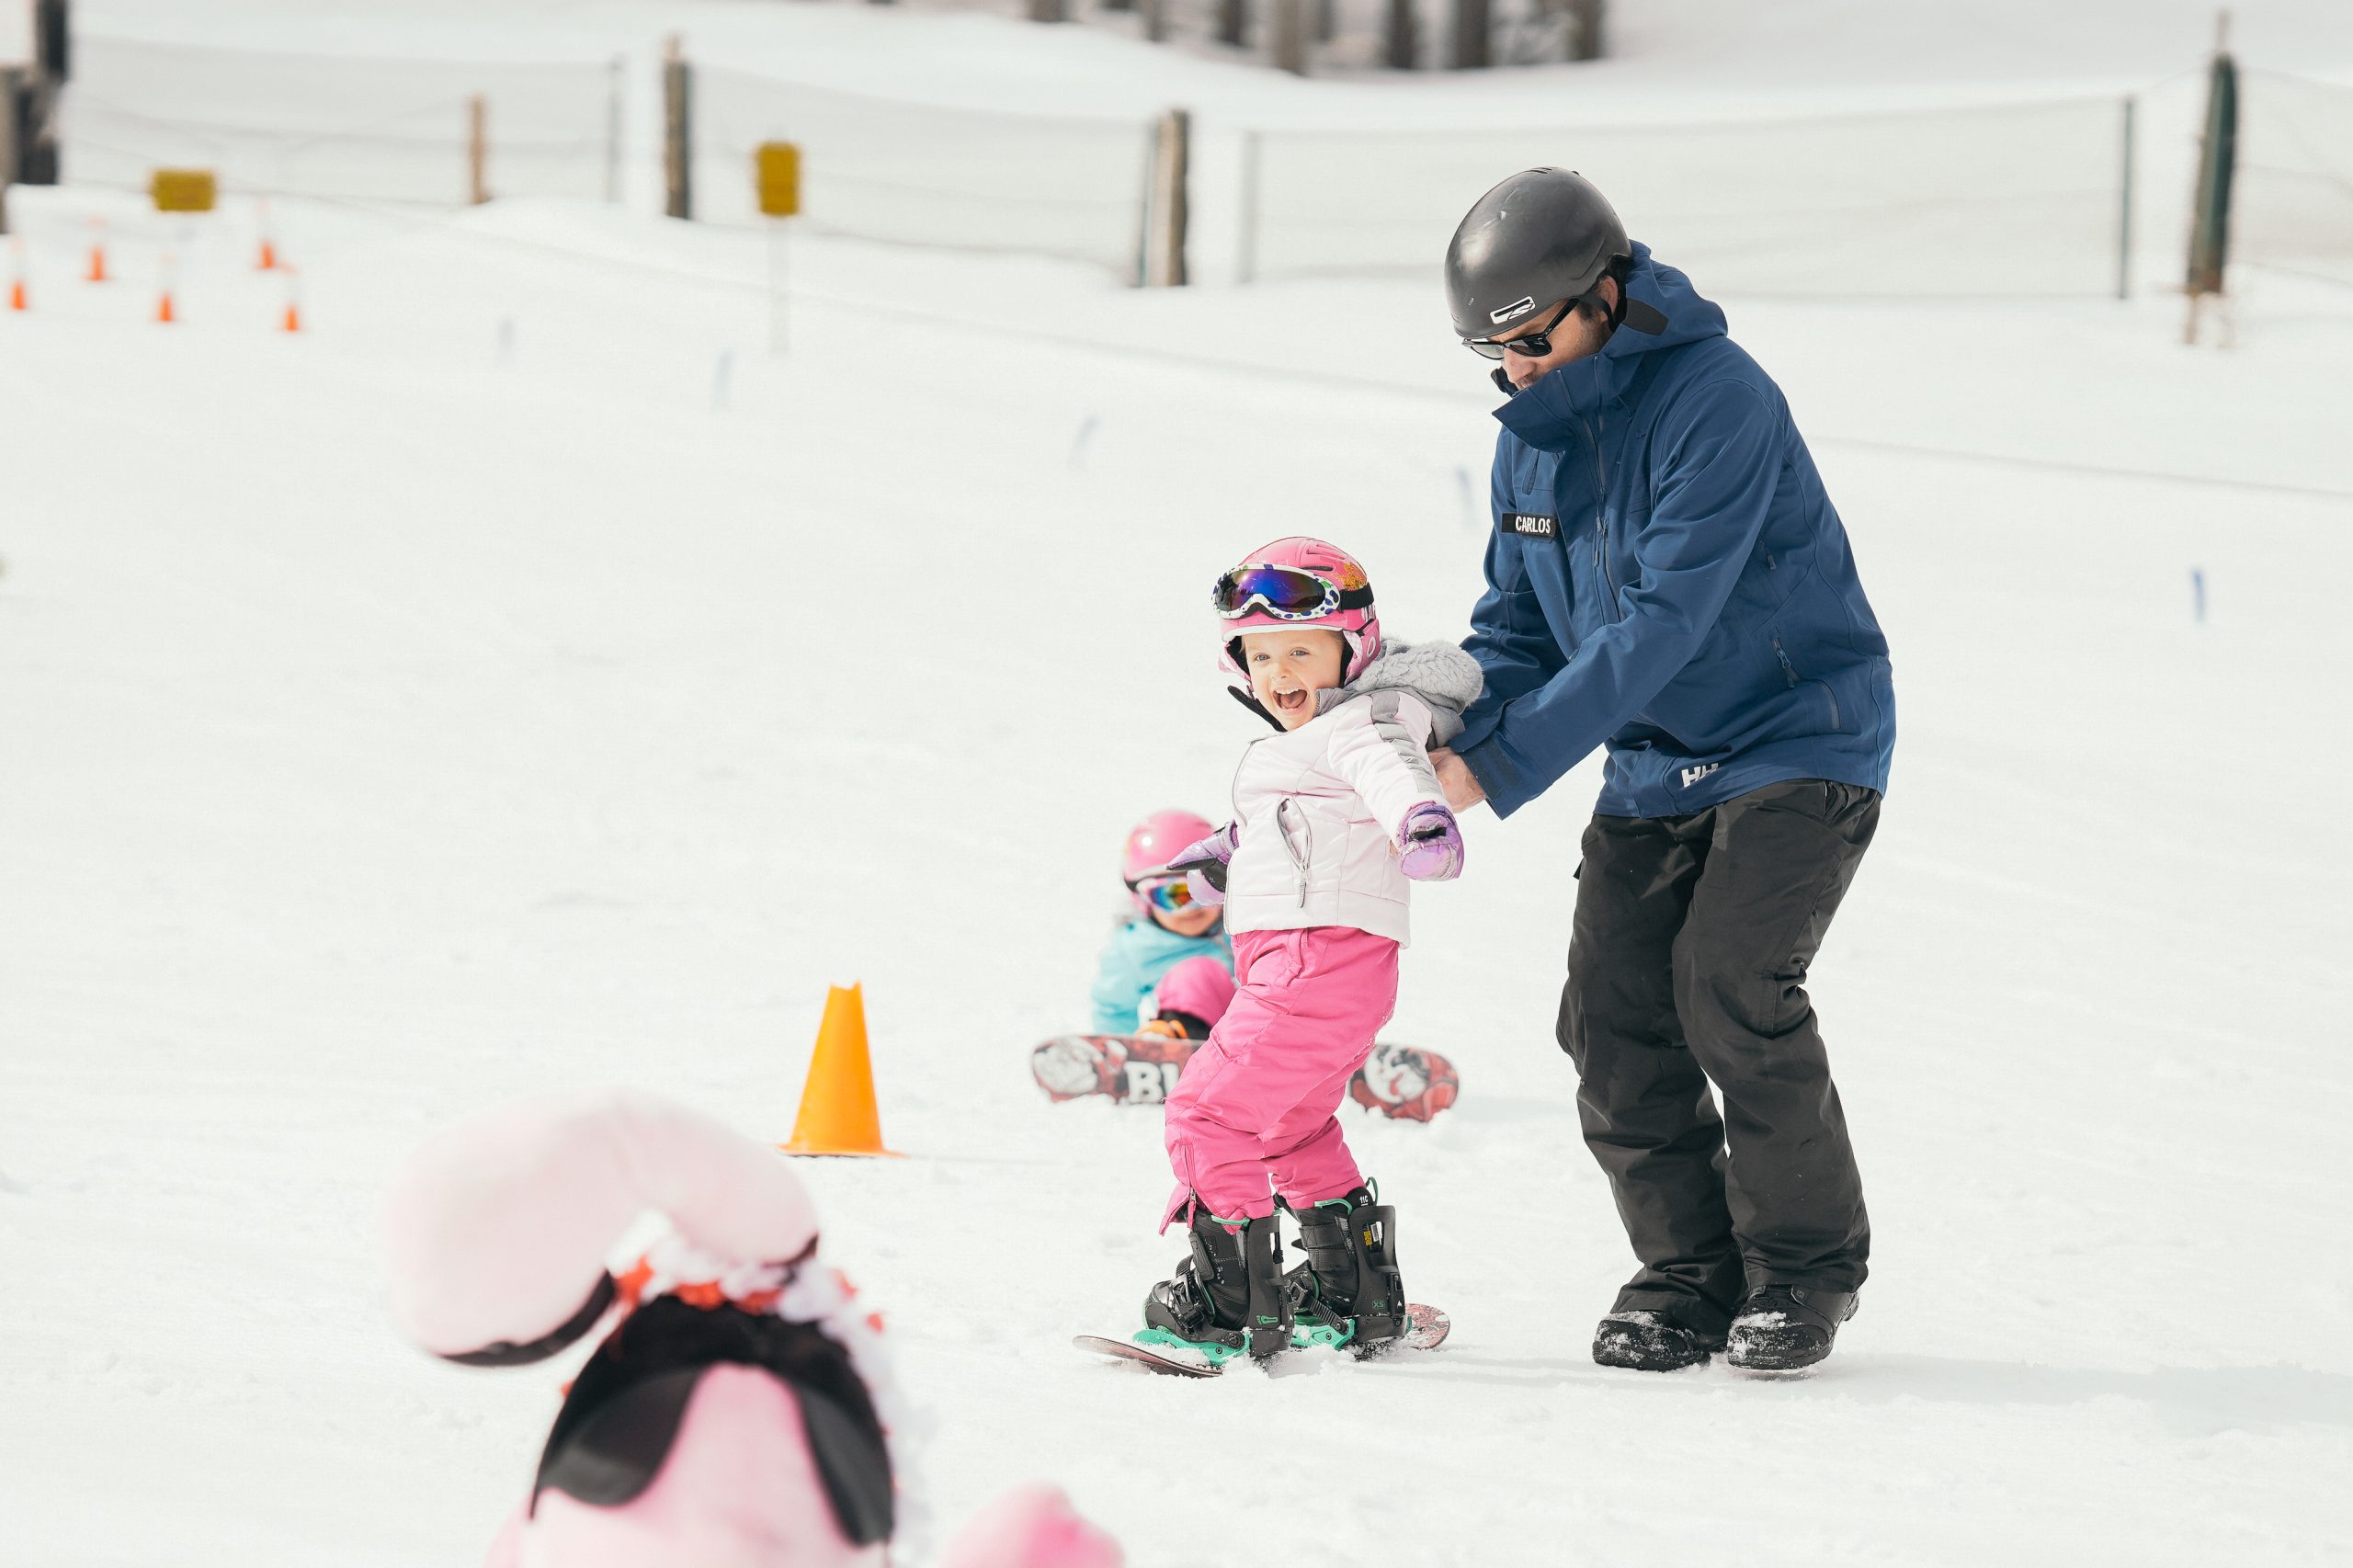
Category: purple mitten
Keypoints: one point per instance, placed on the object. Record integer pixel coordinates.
(1429, 845)
(1203, 861)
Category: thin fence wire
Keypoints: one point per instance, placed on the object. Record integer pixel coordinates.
(2013, 200)
(2292, 203)
(339, 126)
(881, 169)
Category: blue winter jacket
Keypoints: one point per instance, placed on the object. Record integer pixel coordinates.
(1139, 953)
(1668, 577)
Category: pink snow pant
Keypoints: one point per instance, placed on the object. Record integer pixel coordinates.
(1255, 1106)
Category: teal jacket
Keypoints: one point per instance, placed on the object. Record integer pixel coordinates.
(1139, 952)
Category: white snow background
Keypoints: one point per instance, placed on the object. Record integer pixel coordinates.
(392, 722)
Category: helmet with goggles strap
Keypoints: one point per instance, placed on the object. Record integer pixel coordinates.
(1293, 584)
(1144, 859)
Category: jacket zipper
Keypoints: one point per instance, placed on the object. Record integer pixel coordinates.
(1298, 860)
(1601, 521)
(1790, 671)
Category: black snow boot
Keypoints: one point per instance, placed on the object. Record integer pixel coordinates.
(1784, 1328)
(1227, 1298)
(1349, 1290)
(1652, 1342)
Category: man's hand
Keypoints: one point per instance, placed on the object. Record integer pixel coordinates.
(1455, 778)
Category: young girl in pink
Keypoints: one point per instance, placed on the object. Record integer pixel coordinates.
(1336, 813)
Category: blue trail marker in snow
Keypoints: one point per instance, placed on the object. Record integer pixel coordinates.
(2197, 594)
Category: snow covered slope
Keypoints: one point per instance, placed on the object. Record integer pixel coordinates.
(521, 679)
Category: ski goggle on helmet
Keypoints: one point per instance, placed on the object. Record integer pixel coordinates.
(1144, 859)
(1169, 894)
(1296, 582)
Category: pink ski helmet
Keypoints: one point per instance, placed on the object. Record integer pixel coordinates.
(1155, 841)
(1297, 581)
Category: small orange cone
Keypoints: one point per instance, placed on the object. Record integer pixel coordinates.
(269, 262)
(16, 301)
(837, 1114)
(293, 317)
(97, 273)
(163, 308)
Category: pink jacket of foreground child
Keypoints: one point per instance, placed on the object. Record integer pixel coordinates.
(739, 1413)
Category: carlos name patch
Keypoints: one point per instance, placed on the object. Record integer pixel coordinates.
(1532, 524)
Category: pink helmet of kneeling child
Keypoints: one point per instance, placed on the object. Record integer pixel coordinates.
(1293, 583)
(1155, 841)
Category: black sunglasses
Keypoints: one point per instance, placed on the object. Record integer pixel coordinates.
(1535, 344)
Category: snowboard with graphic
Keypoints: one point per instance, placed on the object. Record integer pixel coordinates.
(1401, 1082)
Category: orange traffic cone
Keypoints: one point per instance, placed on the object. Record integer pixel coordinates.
(293, 317)
(163, 308)
(269, 261)
(97, 273)
(16, 301)
(838, 1114)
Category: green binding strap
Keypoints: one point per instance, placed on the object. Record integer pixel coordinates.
(1215, 1354)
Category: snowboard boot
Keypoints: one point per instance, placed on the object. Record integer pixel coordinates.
(1651, 1342)
(1349, 1290)
(1227, 1298)
(1782, 1328)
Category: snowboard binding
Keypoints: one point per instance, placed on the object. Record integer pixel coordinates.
(1228, 1299)
(1350, 1291)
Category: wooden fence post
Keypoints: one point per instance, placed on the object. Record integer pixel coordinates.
(1585, 29)
(677, 130)
(1470, 52)
(1165, 230)
(477, 149)
(40, 89)
(2209, 222)
(1401, 44)
(1290, 35)
(8, 89)
(616, 84)
(2124, 207)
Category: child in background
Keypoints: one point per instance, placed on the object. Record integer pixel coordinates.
(1168, 959)
(1338, 813)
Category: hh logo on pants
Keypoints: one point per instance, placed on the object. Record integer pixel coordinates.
(1693, 775)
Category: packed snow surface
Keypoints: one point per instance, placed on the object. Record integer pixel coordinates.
(523, 678)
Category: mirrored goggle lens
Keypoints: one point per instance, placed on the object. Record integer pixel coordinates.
(1280, 589)
(1169, 894)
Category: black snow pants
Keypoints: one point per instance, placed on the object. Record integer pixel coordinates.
(1689, 957)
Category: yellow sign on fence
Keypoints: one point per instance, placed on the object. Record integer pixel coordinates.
(776, 172)
(184, 190)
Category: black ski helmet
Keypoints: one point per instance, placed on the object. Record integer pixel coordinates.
(1542, 237)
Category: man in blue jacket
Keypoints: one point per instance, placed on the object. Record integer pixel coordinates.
(1667, 579)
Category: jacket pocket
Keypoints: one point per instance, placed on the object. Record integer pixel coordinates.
(1795, 680)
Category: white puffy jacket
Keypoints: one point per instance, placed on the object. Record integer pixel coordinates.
(1317, 809)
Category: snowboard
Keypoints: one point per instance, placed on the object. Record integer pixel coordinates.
(1430, 1330)
(1401, 1082)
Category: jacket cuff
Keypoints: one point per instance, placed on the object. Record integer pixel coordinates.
(1497, 779)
